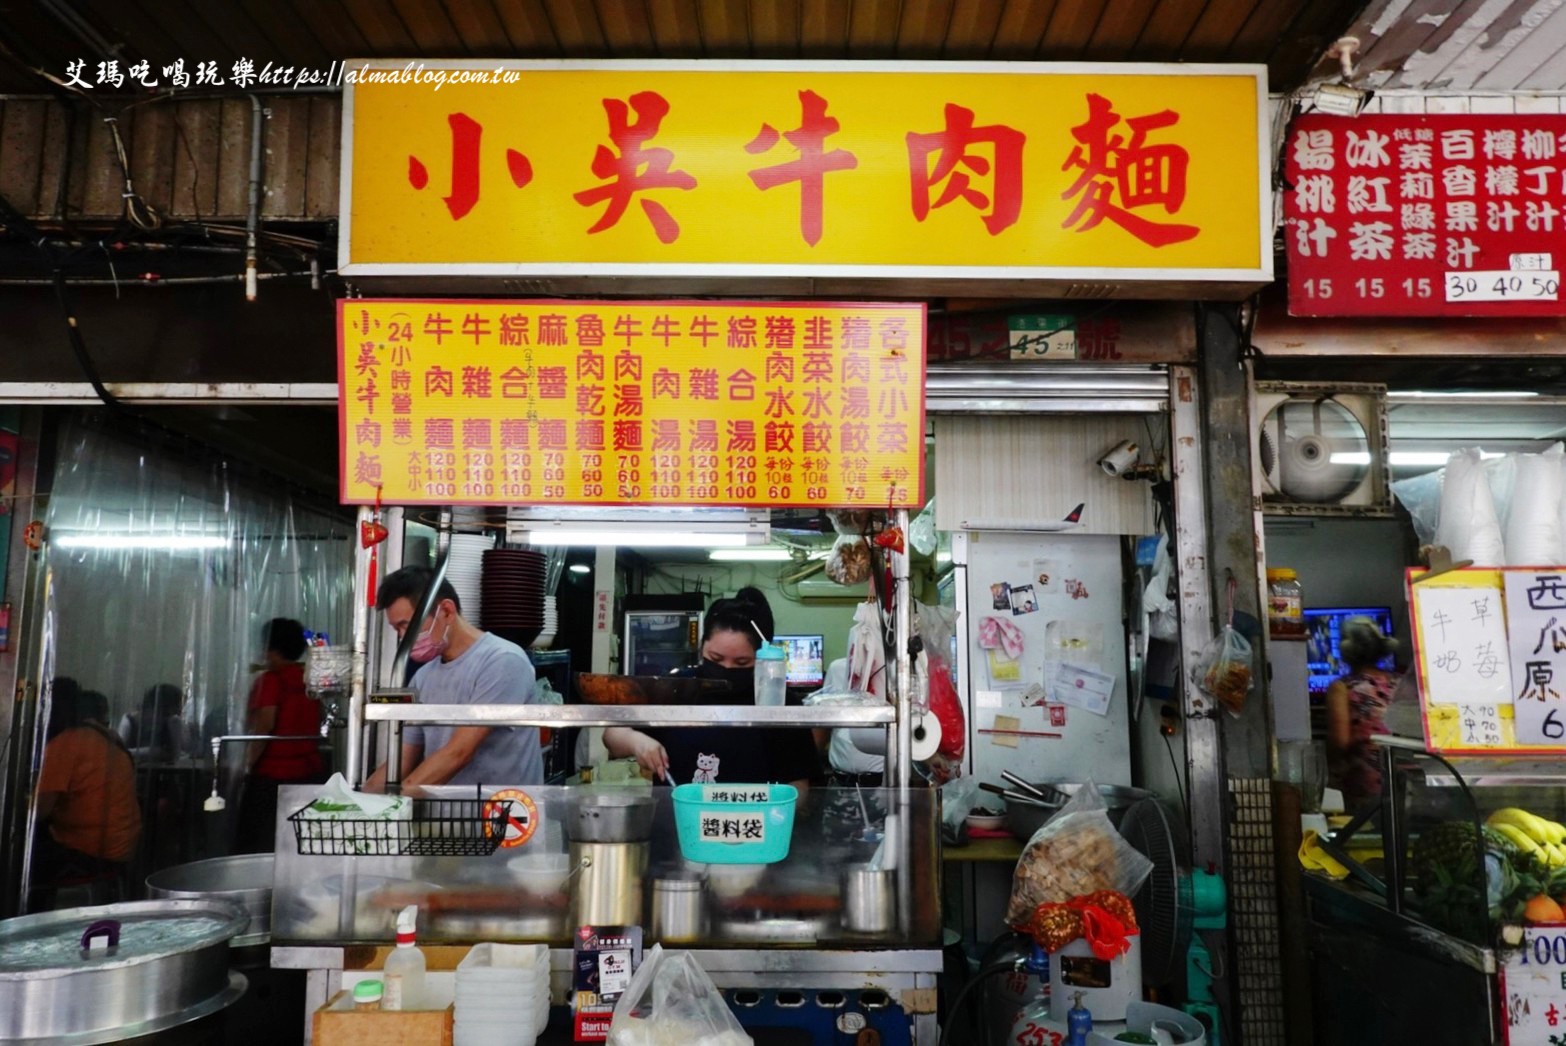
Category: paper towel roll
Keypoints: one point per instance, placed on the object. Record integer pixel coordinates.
(871, 740)
(926, 737)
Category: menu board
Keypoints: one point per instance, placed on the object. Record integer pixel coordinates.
(1533, 988)
(1490, 650)
(598, 403)
(1416, 215)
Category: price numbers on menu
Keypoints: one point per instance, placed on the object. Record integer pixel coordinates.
(1322, 288)
(1503, 285)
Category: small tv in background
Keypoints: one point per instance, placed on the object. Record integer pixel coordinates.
(1324, 633)
(806, 664)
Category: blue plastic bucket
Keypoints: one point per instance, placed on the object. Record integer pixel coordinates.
(735, 824)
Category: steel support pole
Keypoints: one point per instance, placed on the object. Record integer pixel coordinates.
(353, 760)
(899, 761)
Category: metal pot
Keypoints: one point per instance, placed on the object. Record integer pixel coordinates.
(869, 899)
(243, 879)
(679, 908)
(1026, 818)
(609, 817)
(168, 966)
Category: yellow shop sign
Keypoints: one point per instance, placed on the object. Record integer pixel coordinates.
(768, 169)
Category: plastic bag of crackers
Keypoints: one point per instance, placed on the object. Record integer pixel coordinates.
(1077, 852)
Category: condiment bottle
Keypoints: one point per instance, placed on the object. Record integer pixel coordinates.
(771, 675)
(1285, 604)
(404, 971)
(367, 995)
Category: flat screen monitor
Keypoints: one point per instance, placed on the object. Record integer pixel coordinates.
(1324, 633)
(806, 666)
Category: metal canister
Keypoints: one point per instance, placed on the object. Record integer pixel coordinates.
(607, 891)
(679, 909)
(869, 899)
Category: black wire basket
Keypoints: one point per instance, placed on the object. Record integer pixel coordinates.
(433, 828)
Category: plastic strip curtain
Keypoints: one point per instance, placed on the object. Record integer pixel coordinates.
(164, 564)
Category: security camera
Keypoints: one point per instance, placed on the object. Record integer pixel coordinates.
(1119, 459)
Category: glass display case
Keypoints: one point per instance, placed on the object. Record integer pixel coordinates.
(1413, 943)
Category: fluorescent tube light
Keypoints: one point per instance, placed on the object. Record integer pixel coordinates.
(943, 557)
(750, 555)
(138, 542)
(580, 568)
(1405, 457)
(648, 538)
(1435, 394)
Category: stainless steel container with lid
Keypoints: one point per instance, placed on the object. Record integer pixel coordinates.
(869, 899)
(618, 816)
(679, 908)
(607, 891)
(244, 879)
(157, 965)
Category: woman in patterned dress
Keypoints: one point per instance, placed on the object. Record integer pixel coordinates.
(1356, 707)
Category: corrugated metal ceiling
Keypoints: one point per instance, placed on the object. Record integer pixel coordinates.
(1458, 46)
(1287, 35)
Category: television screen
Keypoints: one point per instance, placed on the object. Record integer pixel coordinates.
(806, 666)
(1324, 631)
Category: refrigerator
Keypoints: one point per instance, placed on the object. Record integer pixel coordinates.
(1057, 597)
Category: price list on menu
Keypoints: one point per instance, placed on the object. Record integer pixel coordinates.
(750, 404)
(1416, 215)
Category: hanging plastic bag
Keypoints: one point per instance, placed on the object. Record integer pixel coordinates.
(921, 532)
(672, 1002)
(935, 626)
(1223, 671)
(1470, 527)
(1075, 853)
(849, 563)
(867, 652)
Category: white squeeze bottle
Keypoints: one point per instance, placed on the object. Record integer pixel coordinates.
(404, 973)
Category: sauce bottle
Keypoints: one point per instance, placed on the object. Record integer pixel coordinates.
(404, 973)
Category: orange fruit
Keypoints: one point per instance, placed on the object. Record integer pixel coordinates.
(1543, 909)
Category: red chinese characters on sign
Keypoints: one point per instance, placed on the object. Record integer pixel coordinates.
(635, 168)
(811, 167)
(952, 148)
(1412, 215)
(466, 139)
(1120, 176)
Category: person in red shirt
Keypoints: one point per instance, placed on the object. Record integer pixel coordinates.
(278, 705)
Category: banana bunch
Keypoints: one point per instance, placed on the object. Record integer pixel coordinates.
(1543, 840)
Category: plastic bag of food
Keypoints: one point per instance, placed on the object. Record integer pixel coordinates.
(1224, 669)
(672, 1002)
(1075, 853)
(849, 563)
(851, 522)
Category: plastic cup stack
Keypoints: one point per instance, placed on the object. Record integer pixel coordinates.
(502, 995)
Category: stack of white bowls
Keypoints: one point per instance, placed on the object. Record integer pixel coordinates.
(551, 624)
(502, 995)
(465, 569)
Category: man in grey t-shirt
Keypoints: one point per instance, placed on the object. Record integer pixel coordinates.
(464, 665)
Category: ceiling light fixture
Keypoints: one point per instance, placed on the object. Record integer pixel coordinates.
(141, 542)
(750, 555)
(580, 568)
(643, 538)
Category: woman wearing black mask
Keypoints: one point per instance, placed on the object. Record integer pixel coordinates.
(731, 635)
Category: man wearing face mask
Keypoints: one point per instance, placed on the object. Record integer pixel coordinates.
(463, 665)
(731, 635)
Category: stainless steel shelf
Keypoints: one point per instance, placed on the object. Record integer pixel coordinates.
(631, 715)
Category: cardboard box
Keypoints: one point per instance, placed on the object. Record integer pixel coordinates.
(339, 1024)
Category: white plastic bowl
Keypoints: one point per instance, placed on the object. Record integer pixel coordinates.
(541, 874)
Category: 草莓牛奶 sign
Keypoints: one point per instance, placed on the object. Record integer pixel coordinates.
(724, 170)
(670, 403)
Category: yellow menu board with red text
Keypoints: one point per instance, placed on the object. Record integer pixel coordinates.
(599, 403)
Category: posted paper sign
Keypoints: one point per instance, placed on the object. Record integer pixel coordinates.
(1533, 988)
(1465, 653)
(1085, 688)
(1536, 623)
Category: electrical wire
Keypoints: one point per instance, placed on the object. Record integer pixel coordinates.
(1002, 966)
(138, 211)
(1185, 811)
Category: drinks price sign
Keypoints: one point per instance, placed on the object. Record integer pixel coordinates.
(1426, 215)
(701, 403)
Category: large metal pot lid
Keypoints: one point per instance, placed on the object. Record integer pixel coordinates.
(49, 944)
(240, 873)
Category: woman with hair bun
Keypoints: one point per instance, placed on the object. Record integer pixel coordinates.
(731, 634)
(1356, 709)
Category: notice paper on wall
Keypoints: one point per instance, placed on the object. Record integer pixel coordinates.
(1536, 624)
(1085, 688)
(1463, 646)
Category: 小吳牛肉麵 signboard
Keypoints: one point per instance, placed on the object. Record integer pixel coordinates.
(1415, 215)
(670, 403)
(1490, 653)
(871, 170)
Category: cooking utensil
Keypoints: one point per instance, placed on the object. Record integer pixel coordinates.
(1025, 787)
(168, 967)
(679, 909)
(243, 879)
(609, 817)
(598, 689)
(1017, 797)
(1025, 818)
(869, 899)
